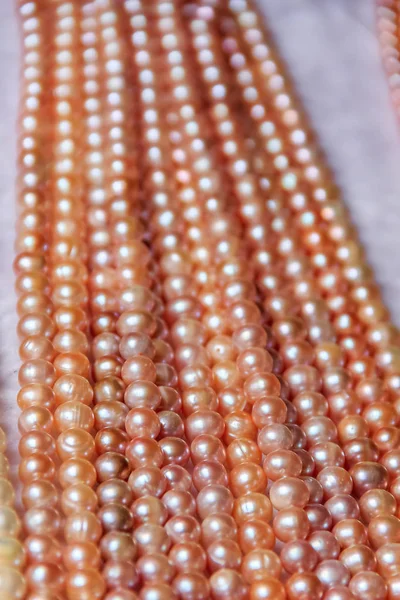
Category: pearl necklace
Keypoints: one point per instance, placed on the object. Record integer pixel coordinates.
(210, 379)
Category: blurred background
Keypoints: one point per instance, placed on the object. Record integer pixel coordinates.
(332, 51)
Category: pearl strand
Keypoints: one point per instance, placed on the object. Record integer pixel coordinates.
(387, 14)
(36, 326)
(12, 554)
(111, 465)
(75, 415)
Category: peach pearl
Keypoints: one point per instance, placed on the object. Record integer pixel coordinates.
(117, 545)
(202, 262)
(192, 585)
(214, 498)
(147, 480)
(325, 544)
(304, 585)
(86, 583)
(239, 424)
(282, 463)
(368, 475)
(218, 526)
(268, 410)
(368, 585)
(251, 506)
(242, 450)
(288, 492)
(377, 502)
(260, 563)
(176, 477)
(335, 480)
(151, 538)
(342, 506)
(393, 587)
(247, 477)
(298, 556)
(182, 528)
(224, 554)
(291, 523)
(155, 568)
(275, 437)
(358, 557)
(209, 472)
(225, 583)
(259, 385)
(350, 532)
(267, 589)
(187, 556)
(383, 529)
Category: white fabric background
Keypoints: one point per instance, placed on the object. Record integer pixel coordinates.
(332, 51)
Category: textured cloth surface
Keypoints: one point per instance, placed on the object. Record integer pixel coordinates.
(331, 49)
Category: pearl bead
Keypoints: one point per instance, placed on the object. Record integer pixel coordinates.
(225, 582)
(289, 491)
(306, 584)
(358, 557)
(192, 585)
(266, 589)
(13, 584)
(251, 506)
(369, 585)
(260, 563)
(298, 556)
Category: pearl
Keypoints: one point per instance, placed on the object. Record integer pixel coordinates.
(358, 557)
(252, 505)
(298, 556)
(225, 582)
(260, 563)
(192, 585)
(186, 556)
(325, 544)
(268, 588)
(291, 523)
(369, 584)
(332, 573)
(289, 491)
(350, 532)
(306, 584)
(155, 568)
